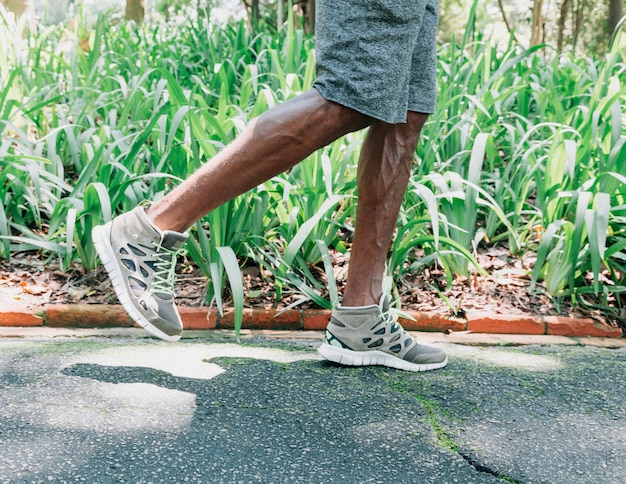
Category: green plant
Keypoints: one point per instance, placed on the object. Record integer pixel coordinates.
(96, 118)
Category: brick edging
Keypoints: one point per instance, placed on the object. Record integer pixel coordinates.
(103, 316)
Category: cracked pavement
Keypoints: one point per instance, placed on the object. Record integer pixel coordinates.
(270, 410)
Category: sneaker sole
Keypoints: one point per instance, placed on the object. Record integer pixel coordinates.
(107, 256)
(348, 357)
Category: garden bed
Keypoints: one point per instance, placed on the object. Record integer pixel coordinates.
(29, 282)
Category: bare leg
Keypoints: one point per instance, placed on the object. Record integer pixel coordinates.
(383, 174)
(271, 144)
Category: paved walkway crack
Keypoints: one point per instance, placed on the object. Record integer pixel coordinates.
(443, 437)
(487, 470)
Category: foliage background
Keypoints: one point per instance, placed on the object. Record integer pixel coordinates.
(527, 151)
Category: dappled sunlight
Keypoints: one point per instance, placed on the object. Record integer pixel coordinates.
(178, 360)
(125, 407)
(521, 361)
(22, 457)
(187, 360)
(575, 442)
(511, 358)
(115, 411)
(126, 397)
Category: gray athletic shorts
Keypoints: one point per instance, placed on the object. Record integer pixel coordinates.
(378, 56)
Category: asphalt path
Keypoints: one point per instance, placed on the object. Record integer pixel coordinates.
(101, 410)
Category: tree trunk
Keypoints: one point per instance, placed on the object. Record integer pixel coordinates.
(536, 33)
(562, 19)
(279, 15)
(255, 16)
(580, 8)
(616, 12)
(252, 11)
(135, 10)
(310, 20)
(506, 20)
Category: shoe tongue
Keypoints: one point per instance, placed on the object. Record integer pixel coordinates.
(173, 240)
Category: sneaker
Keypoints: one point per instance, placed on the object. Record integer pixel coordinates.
(368, 335)
(140, 260)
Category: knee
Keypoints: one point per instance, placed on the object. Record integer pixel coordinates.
(411, 130)
(416, 120)
(339, 115)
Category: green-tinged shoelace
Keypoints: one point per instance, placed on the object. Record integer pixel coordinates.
(389, 318)
(164, 278)
(387, 315)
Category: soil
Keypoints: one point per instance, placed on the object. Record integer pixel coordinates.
(30, 281)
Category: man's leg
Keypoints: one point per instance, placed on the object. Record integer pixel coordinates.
(271, 144)
(383, 174)
(139, 248)
(360, 331)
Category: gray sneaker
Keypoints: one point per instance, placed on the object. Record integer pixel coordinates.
(140, 260)
(369, 336)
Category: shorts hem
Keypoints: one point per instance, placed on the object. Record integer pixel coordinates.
(367, 112)
(430, 109)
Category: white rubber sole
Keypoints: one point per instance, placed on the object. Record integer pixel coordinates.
(378, 358)
(107, 256)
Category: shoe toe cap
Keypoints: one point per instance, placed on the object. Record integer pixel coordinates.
(423, 354)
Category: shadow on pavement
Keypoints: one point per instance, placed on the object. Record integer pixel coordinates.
(496, 414)
(306, 421)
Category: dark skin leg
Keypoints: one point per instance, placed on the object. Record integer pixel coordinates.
(383, 174)
(271, 144)
(283, 137)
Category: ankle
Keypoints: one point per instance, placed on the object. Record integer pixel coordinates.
(364, 307)
(360, 300)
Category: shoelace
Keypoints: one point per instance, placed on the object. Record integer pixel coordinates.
(164, 278)
(389, 319)
(387, 315)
